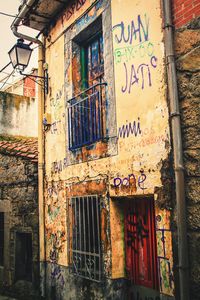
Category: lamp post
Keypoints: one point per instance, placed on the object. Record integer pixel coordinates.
(20, 55)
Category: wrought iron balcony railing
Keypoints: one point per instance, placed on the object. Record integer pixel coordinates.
(86, 116)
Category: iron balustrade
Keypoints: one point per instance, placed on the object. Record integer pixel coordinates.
(86, 116)
(85, 243)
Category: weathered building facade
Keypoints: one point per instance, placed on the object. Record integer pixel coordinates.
(109, 208)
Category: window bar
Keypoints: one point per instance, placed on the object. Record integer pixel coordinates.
(98, 116)
(95, 113)
(70, 131)
(84, 232)
(101, 110)
(77, 124)
(80, 241)
(81, 122)
(87, 119)
(98, 235)
(89, 248)
(73, 126)
(76, 228)
(92, 198)
(90, 116)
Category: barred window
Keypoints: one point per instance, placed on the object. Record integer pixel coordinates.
(84, 237)
(1, 238)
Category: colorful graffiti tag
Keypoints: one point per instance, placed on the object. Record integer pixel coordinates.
(135, 52)
(164, 248)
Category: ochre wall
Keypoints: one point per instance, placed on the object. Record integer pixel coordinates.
(142, 128)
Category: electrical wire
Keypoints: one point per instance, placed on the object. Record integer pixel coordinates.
(9, 15)
(7, 79)
(5, 67)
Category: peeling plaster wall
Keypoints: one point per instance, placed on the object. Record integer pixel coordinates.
(135, 161)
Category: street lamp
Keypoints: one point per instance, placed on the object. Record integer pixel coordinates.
(20, 56)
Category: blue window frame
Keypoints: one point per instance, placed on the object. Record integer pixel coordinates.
(86, 113)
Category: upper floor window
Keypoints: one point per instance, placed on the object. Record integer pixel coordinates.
(86, 110)
(92, 62)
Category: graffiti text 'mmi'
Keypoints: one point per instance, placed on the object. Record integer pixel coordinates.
(137, 30)
(131, 128)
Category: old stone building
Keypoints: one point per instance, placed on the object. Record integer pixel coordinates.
(19, 218)
(19, 247)
(119, 207)
(187, 47)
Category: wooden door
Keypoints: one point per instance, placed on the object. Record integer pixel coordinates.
(140, 242)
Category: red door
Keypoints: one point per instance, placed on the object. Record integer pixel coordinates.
(140, 239)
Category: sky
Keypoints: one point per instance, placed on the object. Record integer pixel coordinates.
(8, 39)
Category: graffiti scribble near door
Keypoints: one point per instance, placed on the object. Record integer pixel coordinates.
(164, 249)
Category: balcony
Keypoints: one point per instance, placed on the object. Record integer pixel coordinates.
(86, 116)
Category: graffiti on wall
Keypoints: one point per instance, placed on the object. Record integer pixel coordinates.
(56, 272)
(55, 220)
(164, 249)
(139, 233)
(130, 180)
(138, 74)
(137, 31)
(130, 129)
(56, 108)
(74, 7)
(133, 42)
(59, 166)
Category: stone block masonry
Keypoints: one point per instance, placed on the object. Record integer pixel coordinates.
(19, 273)
(187, 41)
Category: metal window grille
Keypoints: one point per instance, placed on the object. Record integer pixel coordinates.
(86, 116)
(1, 238)
(84, 240)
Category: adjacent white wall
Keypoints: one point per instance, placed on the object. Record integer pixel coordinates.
(18, 115)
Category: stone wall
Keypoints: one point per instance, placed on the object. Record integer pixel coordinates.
(19, 202)
(187, 46)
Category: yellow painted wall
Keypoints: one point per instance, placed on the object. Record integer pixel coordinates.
(141, 152)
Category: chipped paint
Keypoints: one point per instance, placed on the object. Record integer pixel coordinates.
(127, 163)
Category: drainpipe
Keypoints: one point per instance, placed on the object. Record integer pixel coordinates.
(41, 210)
(178, 153)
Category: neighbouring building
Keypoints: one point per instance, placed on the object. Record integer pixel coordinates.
(27, 86)
(110, 211)
(19, 221)
(19, 238)
(18, 115)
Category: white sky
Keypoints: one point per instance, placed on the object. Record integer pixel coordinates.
(8, 39)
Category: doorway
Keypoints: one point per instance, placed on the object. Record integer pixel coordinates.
(23, 256)
(140, 242)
